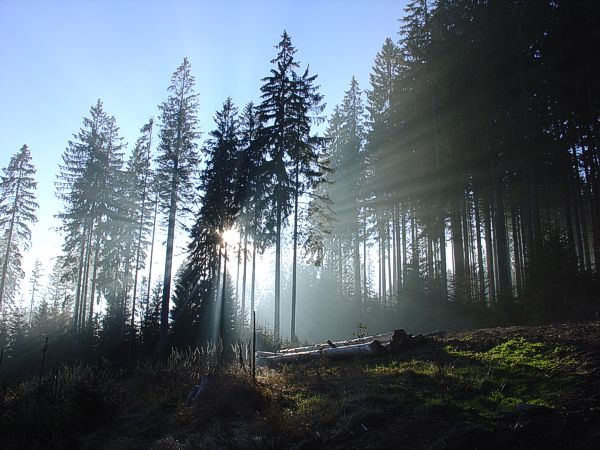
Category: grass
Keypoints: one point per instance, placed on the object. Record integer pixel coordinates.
(522, 352)
(468, 387)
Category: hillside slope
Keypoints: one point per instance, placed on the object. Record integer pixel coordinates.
(504, 388)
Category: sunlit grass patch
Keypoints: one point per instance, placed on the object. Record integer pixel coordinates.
(512, 373)
(522, 352)
(313, 404)
(395, 367)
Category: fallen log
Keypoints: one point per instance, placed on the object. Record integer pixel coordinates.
(381, 337)
(384, 338)
(390, 342)
(373, 348)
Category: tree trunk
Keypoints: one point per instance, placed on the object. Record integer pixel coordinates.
(137, 263)
(466, 246)
(365, 285)
(504, 283)
(340, 271)
(404, 247)
(164, 312)
(390, 276)
(151, 253)
(294, 262)
(457, 251)
(394, 255)
(590, 176)
(94, 277)
(125, 291)
(253, 276)
(575, 183)
(480, 267)
(430, 272)
(79, 281)
(33, 288)
(383, 259)
(222, 321)
(243, 312)
(86, 276)
(516, 249)
(356, 255)
(415, 246)
(443, 265)
(398, 248)
(237, 272)
(277, 271)
(489, 254)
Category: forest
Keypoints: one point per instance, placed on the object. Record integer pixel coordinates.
(459, 189)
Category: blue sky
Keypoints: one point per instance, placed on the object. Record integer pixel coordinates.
(58, 57)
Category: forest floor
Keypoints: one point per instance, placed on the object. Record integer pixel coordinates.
(505, 388)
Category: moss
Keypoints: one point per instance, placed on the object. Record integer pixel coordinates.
(514, 372)
(521, 352)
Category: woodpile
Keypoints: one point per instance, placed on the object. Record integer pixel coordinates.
(376, 345)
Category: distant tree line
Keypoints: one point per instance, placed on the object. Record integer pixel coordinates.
(463, 182)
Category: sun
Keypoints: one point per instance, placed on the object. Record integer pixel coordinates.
(231, 236)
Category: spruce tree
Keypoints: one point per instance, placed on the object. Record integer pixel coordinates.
(18, 333)
(277, 130)
(17, 212)
(57, 290)
(140, 177)
(91, 186)
(252, 181)
(290, 105)
(383, 154)
(150, 326)
(347, 149)
(198, 287)
(308, 167)
(34, 281)
(177, 163)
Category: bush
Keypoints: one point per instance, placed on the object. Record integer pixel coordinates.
(78, 397)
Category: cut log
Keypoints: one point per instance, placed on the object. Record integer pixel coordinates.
(393, 341)
(383, 338)
(308, 348)
(261, 354)
(349, 351)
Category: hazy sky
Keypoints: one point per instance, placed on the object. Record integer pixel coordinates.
(58, 57)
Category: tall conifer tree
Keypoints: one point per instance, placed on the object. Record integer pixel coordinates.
(289, 102)
(177, 163)
(17, 212)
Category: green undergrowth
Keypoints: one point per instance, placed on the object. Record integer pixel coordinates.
(476, 387)
(517, 372)
(522, 352)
